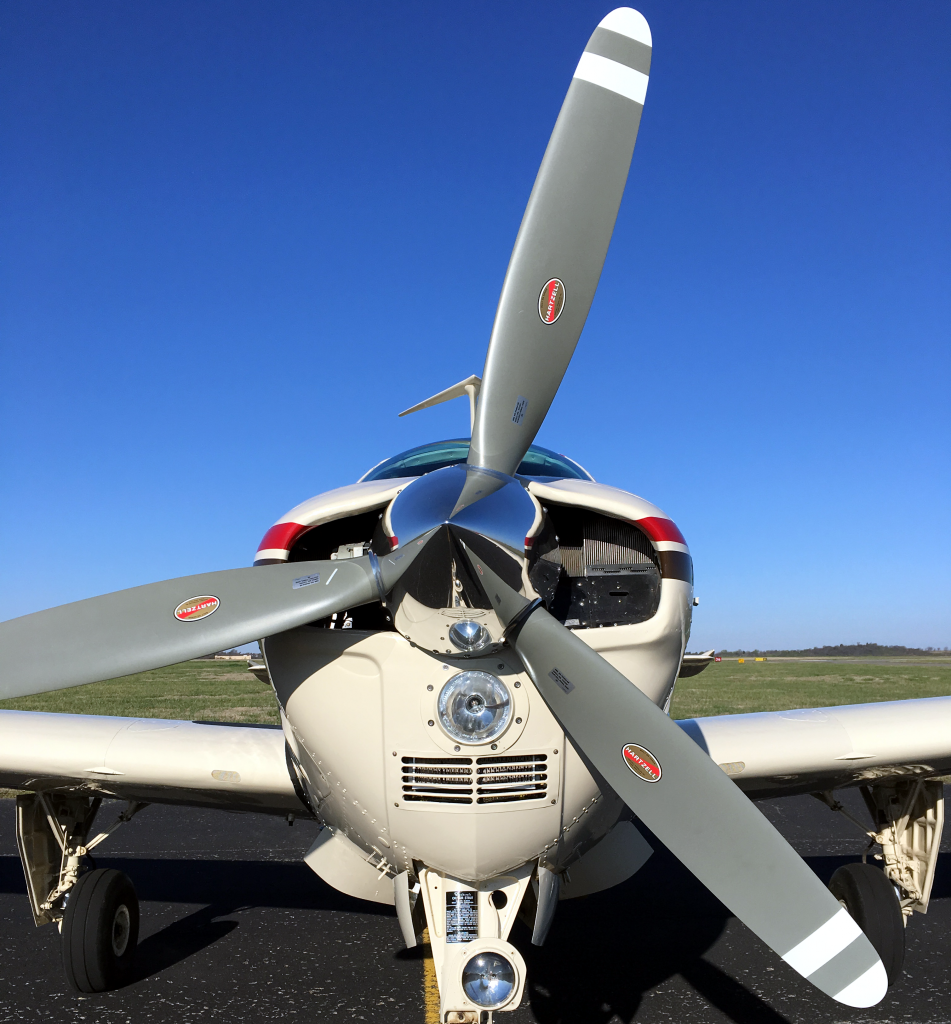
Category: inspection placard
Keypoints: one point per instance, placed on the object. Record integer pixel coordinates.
(462, 916)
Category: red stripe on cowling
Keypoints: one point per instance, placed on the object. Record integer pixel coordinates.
(281, 536)
(660, 529)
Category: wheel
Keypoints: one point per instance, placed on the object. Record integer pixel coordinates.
(100, 930)
(868, 895)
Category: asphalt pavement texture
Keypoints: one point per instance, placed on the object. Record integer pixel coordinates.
(235, 928)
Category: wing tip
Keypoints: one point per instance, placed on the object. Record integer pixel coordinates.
(628, 22)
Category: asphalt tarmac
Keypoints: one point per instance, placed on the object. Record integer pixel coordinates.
(235, 928)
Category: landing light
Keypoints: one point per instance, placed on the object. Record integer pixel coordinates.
(474, 707)
(469, 636)
(488, 979)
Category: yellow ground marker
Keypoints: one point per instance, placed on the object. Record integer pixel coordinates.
(430, 985)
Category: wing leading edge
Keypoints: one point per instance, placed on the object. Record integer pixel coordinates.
(198, 764)
(782, 753)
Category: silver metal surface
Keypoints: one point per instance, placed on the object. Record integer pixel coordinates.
(377, 576)
(469, 636)
(488, 503)
(474, 707)
(488, 979)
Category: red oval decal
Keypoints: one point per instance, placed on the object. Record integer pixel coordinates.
(197, 608)
(551, 301)
(642, 762)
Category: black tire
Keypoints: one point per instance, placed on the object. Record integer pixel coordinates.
(100, 931)
(870, 898)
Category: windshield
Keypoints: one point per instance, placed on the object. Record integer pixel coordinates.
(538, 462)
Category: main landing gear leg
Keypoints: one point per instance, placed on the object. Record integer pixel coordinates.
(96, 910)
(907, 822)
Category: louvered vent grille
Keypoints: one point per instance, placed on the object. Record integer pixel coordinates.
(572, 558)
(609, 547)
(507, 779)
(493, 780)
(437, 780)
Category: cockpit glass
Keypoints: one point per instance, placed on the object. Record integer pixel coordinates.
(538, 462)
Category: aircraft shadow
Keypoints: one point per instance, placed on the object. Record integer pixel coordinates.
(221, 887)
(607, 950)
(180, 940)
(225, 887)
(279, 884)
(604, 952)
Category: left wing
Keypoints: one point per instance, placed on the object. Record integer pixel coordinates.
(782, 753)
(153, 760)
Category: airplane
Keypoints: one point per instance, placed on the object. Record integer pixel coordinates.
(474, 649)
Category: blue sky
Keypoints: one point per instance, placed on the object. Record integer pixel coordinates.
(240, 237)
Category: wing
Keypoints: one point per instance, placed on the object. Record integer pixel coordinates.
(237, 767)
(781, 753)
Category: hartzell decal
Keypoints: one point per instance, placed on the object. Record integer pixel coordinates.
(197, 608)
(551, 301)
(642, 762)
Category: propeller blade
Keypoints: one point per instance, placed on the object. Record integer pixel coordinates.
(165, 623)
(561, 244)
(689, 803)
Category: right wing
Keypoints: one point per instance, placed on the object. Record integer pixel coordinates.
(781, 753)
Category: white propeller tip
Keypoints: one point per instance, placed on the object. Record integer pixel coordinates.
(866, 990)
(628, 22)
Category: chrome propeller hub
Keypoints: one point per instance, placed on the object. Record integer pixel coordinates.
(465, 498)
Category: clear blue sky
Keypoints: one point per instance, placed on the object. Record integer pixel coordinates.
(240, 237)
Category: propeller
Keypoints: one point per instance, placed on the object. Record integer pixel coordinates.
(688, 802)
(563, 240)
(165, 623)
(661, 774)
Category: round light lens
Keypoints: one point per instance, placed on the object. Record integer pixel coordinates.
(468, 636)
(488, 979)
(474, 707)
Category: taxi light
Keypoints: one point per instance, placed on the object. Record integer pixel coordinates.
(488, 979)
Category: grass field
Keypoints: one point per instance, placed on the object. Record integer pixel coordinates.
(227, 692)
(212, 691)
(727, 687)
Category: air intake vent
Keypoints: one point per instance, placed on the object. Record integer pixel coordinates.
(502, 780)
(612, 547)
(437, 780)
(594, 545)
(604, 571)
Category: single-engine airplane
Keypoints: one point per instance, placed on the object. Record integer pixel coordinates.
(474, 649)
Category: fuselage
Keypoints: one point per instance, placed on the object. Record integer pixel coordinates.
(360, 693)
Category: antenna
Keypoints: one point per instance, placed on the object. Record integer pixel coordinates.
(470, 386)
